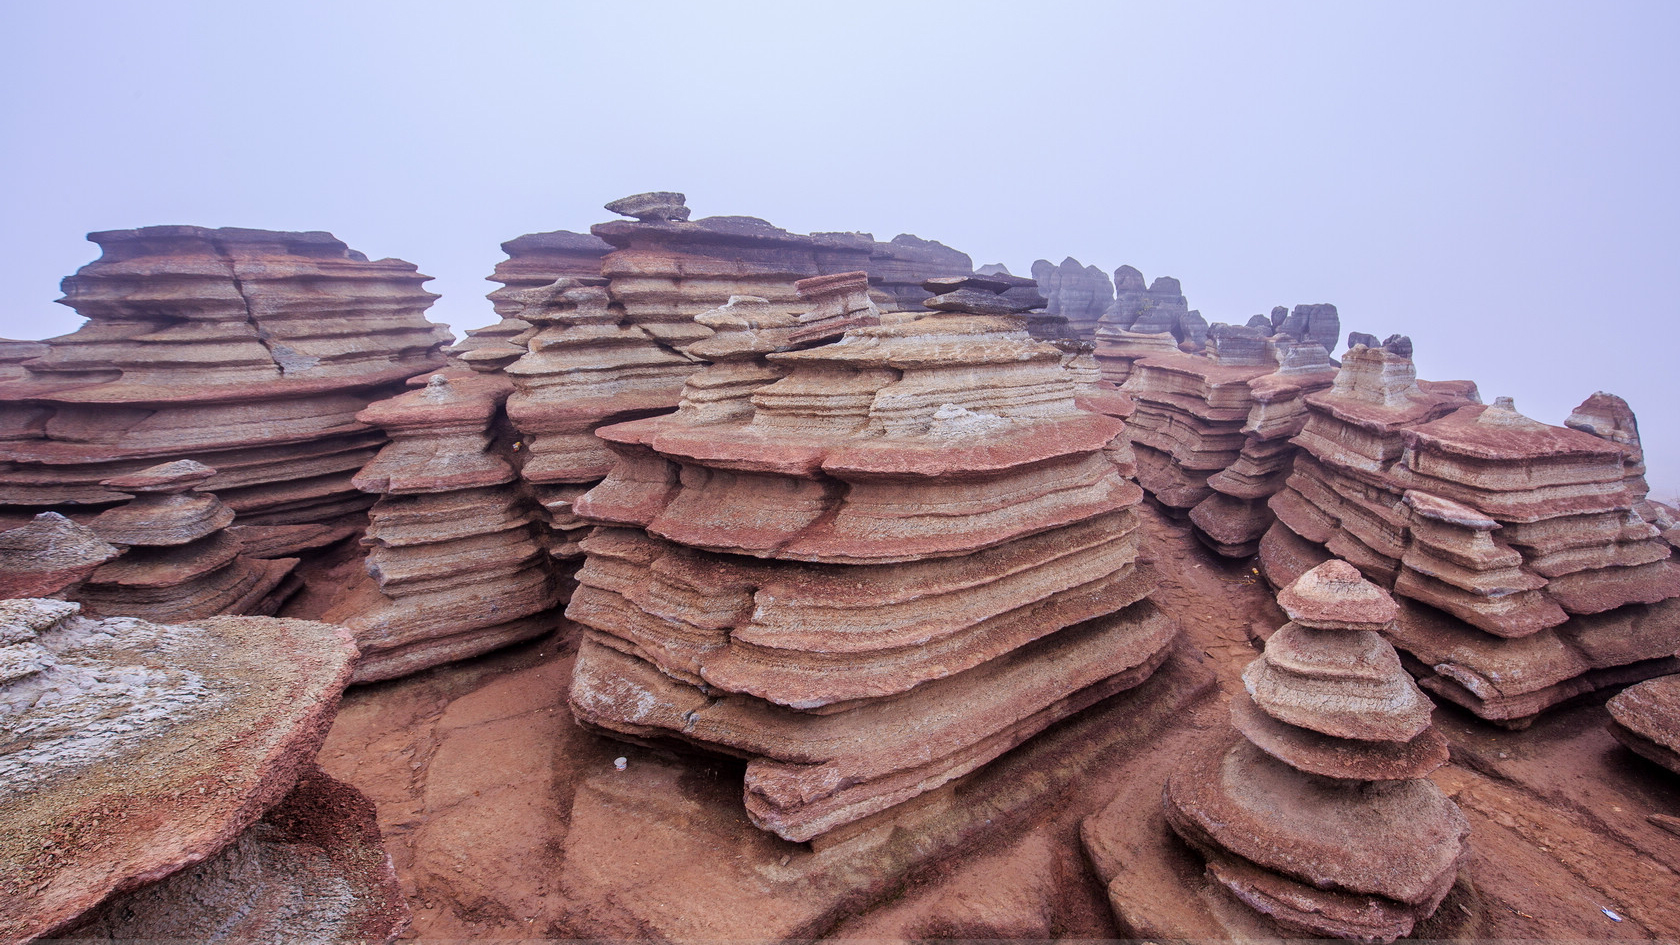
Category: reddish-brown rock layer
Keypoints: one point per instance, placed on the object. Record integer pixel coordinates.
(248, 350)
(1535, 576)
(159, 746)
(945, 564)
(313, 869)
(1646, 718)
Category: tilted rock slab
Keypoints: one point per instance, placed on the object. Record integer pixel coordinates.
(1535, 578)
(248, 350)
(136, 749)
(456, 561)
(1321, 815)
(1646, 718)
(913, 553)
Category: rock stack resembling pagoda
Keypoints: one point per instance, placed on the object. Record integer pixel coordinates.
(907, 555)
(1319, 812)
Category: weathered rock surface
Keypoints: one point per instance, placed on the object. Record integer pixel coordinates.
(248, 350)
(1646, 718)
(179, 561)
(49, 555)
(1079, 293)
(946, 564)
(1212, 430)
(313, 869)
(1320, 816)
(456, 564)
(136, 749)
(1541, 578)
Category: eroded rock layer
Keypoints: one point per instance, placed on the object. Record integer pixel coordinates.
(1320, 815)
(534, 260)
(1529, 571)
(248, 350)
(1079, 293)
(457, 563)
(893, 559)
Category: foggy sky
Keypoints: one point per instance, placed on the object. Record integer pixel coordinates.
(1497, 180)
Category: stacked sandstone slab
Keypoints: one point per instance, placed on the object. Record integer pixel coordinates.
(1527, 572)
(1212, 430)
(533, 261)
(1079, 293)
(1318, 812)
(1646, 718)
(869, 577)
(1142, 321)
(135, 750)
(248, 350)
(180, 561)
(456, 564)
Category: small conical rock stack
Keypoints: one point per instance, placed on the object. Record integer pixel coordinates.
(1321, 815)
(181, 561)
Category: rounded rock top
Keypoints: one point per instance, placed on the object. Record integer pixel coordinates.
(1335, 596)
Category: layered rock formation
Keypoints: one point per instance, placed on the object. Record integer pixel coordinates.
(1320, 815)
(1212, 430)
(870, 576)
(1081, 294)
(247, 350)
(456, 562)
(179, 560)
(1540, 577)
(534, 260)
(135, 749)
(1646, 718)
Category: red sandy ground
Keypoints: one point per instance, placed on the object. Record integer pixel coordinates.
(474, 767)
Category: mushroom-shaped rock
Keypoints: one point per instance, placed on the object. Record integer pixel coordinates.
(158, 746)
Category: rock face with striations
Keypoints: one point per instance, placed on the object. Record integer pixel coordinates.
(456, 563)
(180, 560)
(49, 557)
(906, 555)
(1320, 814)
(1079, 293)
(1527, 571)
(1142, 321)
(136, 749)
(247, 350)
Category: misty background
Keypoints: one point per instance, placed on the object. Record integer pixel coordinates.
(1497, 180)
